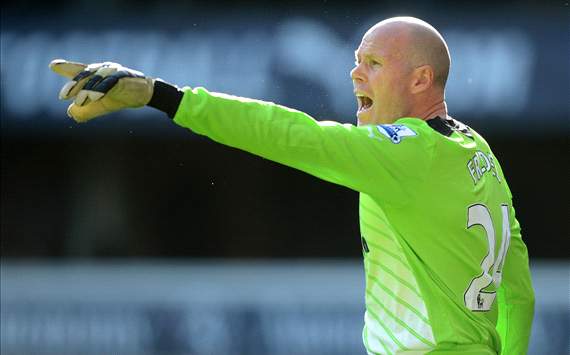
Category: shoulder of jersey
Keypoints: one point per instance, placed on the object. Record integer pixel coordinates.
(414, 127)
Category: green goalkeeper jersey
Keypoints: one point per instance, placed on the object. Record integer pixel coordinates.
(446, 268)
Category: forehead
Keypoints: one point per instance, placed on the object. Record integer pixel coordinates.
(380, 42)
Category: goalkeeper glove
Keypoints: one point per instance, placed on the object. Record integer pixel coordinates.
(101, 88)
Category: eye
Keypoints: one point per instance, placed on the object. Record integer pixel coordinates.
(375, 63)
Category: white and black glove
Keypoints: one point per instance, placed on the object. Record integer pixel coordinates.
(101, 88)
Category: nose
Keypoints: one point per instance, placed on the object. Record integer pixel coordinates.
(356, 74)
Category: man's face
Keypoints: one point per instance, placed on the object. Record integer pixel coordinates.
(380, 78)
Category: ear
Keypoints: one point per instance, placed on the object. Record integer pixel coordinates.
(422, 79)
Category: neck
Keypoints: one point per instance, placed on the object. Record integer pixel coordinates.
(438, 108)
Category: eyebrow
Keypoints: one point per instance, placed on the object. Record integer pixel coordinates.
(368, 56)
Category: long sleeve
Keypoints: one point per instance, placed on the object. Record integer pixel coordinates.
(356, 157)
(515, 296)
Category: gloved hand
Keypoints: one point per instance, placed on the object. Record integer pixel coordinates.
(101, 88)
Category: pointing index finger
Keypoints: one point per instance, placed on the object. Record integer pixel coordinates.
(66, 68)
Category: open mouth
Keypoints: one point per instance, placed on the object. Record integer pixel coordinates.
(364, 102)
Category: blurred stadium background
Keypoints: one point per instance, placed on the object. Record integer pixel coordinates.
(130, 235)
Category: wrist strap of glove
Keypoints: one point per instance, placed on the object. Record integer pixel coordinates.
(166, 97)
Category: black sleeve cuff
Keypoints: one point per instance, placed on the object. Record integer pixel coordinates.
(166, 97)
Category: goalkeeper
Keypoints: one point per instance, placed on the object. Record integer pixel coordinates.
(446, 268)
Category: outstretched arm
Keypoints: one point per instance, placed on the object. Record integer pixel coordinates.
(368, 159)
(360, 158)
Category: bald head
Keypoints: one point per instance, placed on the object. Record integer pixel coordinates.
(416, 42)
(401, 69)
